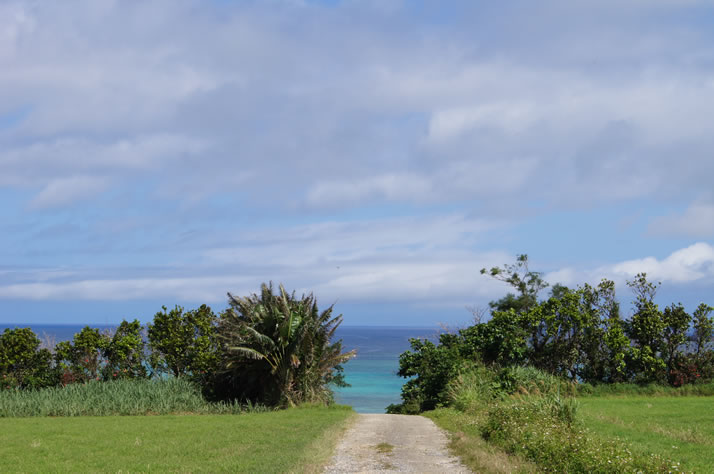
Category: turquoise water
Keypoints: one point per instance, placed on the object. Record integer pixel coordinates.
(372, 374)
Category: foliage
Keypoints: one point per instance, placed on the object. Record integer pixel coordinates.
(277, 349)
(431, 367)
(81, 359)
(526, 282)
(119, 397)
(124, 353)
(22, 363)
(296, 440)
(544, 430)
(475, 452)
(533, 414)
(575, 333)
(184, 343)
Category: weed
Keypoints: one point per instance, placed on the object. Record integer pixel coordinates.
(384, 448)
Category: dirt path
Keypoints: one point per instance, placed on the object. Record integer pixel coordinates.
(394, 443)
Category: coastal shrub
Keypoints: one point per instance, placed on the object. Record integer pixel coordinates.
(545, 430)
(277, 349)
(81, 359)
(184, 343)
(119, 397)
(534, 415)
(430, 367)
(23, 365)
(124, 353)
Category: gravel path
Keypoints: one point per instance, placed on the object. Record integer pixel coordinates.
(394, 443)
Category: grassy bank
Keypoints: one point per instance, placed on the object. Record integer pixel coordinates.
(295, 440)
(468, 444)
(679, 427)
(121, 397)
(522, 419)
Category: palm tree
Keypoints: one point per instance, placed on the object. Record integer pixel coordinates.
(277, 348)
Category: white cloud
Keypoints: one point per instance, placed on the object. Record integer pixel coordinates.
(182, 289)
(689, 264)
(696, 221)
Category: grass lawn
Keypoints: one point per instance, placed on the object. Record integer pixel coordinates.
(295, 440)
(679, 428)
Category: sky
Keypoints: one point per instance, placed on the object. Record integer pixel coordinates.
(378, 153)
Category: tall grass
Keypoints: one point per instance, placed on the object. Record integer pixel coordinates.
(534, 415)
(119, 397)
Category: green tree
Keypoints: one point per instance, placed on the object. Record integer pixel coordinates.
(124, 353)
(502, 340)
(184, 343)
(646, 330)
(430, 367)
(527, 284)
(703, 329)
(82, 358)
(674, 335)
(278, 349)
(22, 363)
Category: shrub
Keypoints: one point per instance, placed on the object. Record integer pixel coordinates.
(184, 343)
(432, 367)
(81, 359)
(22, 363)
(124, 353)
(277, 349)
(545, 430)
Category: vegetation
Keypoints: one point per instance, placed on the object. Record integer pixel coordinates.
(295, 440)
(512, 379)
(578, 334)
(533, 415)
(119, 397)
(278, 349)
(184, 343)
(269, 349)
(474, 451)
(23, 365)
(680, 428)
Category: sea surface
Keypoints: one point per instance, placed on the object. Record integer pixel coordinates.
(372, 374)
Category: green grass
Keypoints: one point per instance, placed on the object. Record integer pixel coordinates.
(466, 443)
(295, 440)
(679, 428)
(651, 390)
(120, 397)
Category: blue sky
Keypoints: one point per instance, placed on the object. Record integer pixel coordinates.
(378, 153)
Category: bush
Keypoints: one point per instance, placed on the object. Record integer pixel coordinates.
(277, 349)
(23, 365)
(545, 430)
(432, 367)
(124, 353)
(184, 343)
(533, 414)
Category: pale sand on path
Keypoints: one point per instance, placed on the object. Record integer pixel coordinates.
(394, 443)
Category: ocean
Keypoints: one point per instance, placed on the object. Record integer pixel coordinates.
(372, 374)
